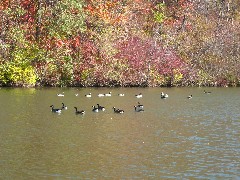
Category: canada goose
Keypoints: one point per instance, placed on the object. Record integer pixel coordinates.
(164, 96)
(207, 92)
(189, 97)
(120, 94)
(79, 112)
(138, 109)
(101, 108)
(140, 105)
(55, 110)
(118, 110)
(63, 106)
(139, 95)
(89, 95)
(95, 109)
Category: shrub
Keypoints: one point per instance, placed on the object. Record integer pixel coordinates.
(17, 74)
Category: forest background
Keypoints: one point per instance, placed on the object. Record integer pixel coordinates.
(119, 43)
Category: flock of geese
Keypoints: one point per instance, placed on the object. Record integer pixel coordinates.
(137, 108)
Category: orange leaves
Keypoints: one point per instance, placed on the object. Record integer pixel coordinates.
(120, 12)
(75, 42)
(70, 45)
(59, 43)
(25, 3)
(111, 12)
(4, 4)
(74, 11)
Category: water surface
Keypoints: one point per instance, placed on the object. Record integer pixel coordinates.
(174, 138)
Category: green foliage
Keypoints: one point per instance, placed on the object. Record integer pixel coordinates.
(156, 79)
(204, 79)
(177, 77)
(19, 70)
(14, 13)
(17, 74)
(159, 14)
(58, 73)
(66, 78)
(69, 19)
(159, 17)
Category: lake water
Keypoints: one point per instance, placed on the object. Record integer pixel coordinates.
(174, 138)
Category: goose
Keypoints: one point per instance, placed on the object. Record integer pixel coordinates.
(137, 109)
(139, 95)
(79, 112)
(118, 110)
(101, 108)
(108, 94)
(55, 110)
(95, 109)
(164, 96)
(207, 92)
(140, 105)
(88, 95)
(63, 106)
(76, 94)
(100, 95)
(189, 97)
(60, 95)
(120, 94)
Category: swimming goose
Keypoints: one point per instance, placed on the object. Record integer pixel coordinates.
(118, 110)
(163, 96)
(120, 94)
(140, 105)
(55, 110)
(63, 106)
(101, 108)
(189, 97)
(207, 92)
(139, 95)
(138, 109)
(95, 109)
(89, 95)
(79, 112)
(108, 94)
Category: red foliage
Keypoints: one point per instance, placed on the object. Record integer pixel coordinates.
(141, 53)
(30, 7)
(89, 52)
(75, 42)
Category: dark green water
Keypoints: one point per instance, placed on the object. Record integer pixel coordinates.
(175, 138)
